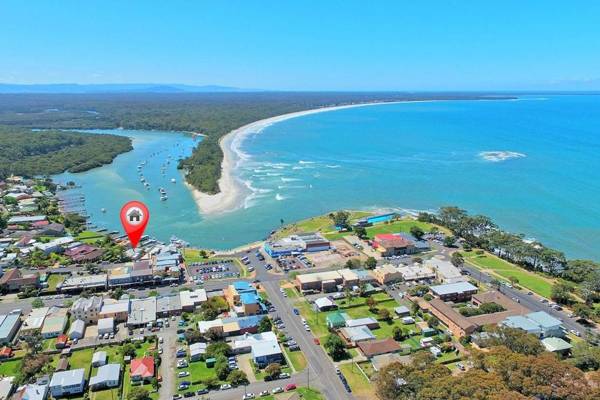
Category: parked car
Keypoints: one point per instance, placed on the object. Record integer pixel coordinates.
(177, 396)
(290, 386)
(202, 391)
(225, 386)
(264, 393)
(183, 374)
(277, 390)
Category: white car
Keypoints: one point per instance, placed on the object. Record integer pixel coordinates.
(248, 396)
(277, 390)
(225, 386)
(183, 374)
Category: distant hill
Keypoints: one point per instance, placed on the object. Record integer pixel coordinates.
(118, 88)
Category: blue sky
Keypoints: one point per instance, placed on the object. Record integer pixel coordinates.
(305, 45)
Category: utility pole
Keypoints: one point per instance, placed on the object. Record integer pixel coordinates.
(308, 377)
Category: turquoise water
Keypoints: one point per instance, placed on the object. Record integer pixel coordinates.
(412, 156)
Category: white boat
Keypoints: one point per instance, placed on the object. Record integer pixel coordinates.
(173, 180)
(163, 198)
(103, 210)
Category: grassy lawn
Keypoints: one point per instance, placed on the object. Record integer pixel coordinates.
(291, 293)
(367, 368)
(193, 255)
(322, 224)
(54, 280)
(449, 357)
(414, 342)
(90, 237)
(402, 225)
(82, 359)
(296, 358)
(361, 387)
(48, 344)
(260, 373)
(10, 368)
(315, 320)
(529, 280)
(310, 394)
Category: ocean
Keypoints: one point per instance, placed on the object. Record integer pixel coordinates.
(530, 164)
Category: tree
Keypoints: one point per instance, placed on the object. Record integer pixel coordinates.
(37, 303)
(515, 340)
(155, 384)
(583, 311)
(360, 231)
(371, 262)
(128, 349)
(561, 293)
(417, 232)
(273, 370)
(340, 218)
(265, 325)
(210, 381)
(221, 368)
(335, 347)
(237, 377)
(117, 293)
(217, 349)
(457, 259)
(384, 314)
(138, 393)
(193, 336)
(513, 280)
(449, 241)
(399, 333)
(371, 303)
(353, 263)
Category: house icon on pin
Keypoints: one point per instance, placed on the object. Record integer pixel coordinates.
(134, 215)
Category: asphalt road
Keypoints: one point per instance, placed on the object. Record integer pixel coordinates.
(319, 364)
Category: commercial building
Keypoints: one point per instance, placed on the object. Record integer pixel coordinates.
(106, 325)
(87, 309)
(34, 321)
(142, 313)
(67, 383)
(77, 329)
(118, 310)
(190, 299)
(459, 291)
(445, 271)
(243, 298)
(307, 242)
(9, 326)
(55, 323)
(389, 244)
(416, 272)
(458, 324)
(80, 283)
(387, 273)
(169, 305)
(326, 281)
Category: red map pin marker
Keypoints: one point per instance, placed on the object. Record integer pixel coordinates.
(134, 217)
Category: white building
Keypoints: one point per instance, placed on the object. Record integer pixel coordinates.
(77, 329)
(192, 299)
(67, 382)
(87, 310)
(106, 325)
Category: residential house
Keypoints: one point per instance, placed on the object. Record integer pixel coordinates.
(556, 345)
(14, 280)
(355, 335)
(66, 383)
(197, 351)
(31, 391)
(55, 323)
(108, 376)
(142, 369)
(34, 321)
(373, 348)
(84, 253)
(243, 298)
(325, 304)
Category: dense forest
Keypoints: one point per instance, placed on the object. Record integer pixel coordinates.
(212, 114)
(28, 153)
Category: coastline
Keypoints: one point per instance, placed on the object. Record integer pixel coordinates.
(232, 189)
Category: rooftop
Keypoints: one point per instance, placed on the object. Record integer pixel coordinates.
(450, 288)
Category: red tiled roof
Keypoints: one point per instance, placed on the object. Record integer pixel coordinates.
(390, 240)
(6, 352)
(143, 367)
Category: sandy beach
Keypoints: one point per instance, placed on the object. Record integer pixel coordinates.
(233, 191)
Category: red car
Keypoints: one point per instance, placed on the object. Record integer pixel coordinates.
(289, 387)
(317, 341)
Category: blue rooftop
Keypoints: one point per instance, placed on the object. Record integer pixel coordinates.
(544, 319)
(242, 285)
(248, 298)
